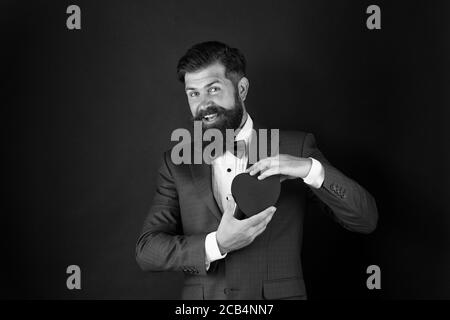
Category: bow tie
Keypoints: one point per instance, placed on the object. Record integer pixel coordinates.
(238, 148)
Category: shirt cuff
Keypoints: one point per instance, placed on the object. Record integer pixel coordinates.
(212, 249)
(316, 174)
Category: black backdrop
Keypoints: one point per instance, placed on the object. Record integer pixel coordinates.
(87, 114)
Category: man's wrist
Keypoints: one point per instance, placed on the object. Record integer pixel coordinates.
(309, 166)
(221, 249)
(316, 174)
(213, 251)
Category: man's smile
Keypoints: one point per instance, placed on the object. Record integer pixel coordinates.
(210, 118)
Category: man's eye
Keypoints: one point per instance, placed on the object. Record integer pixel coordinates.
(193, 94)
(214, 89)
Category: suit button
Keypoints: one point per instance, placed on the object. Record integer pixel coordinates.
(228, 291)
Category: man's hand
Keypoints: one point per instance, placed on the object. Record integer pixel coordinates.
(287, 166)
(234, 234)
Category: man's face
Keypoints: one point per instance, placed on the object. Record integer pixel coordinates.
(213, 98)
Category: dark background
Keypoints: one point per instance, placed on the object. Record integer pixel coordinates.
(88, 113)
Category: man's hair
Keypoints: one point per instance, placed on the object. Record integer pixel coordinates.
(207, 53)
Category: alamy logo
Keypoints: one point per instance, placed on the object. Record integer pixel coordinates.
(214, 147)
(374, 20)
(374, 280)
(74, 20)
(74, 280)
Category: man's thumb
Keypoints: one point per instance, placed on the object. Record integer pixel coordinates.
(230, 205)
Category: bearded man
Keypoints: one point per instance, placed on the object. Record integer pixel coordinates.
(191, 226)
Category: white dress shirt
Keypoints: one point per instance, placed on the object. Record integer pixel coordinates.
(226, 167)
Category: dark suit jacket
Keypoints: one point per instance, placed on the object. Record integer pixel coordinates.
(184, 211)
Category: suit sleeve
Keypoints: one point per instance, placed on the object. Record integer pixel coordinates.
(162, 246)
(351, 205)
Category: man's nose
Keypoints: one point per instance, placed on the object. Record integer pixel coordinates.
(203, 105)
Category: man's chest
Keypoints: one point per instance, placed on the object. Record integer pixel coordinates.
(224, 169)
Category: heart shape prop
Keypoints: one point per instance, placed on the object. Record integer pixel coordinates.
(252, 195)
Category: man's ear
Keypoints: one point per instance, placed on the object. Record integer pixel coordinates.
(243, 85)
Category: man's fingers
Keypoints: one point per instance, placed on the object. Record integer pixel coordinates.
(264, 165)
(230, 206)
(265, 222)
(258, 228)
(254, 169)
(269, 172)
(254, 166)
(257, 218)
(263, 225)
(258, 166)
(259, 231)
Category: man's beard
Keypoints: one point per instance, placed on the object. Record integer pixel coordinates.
(226, 118)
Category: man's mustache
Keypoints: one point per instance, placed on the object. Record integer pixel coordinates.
(210, 110)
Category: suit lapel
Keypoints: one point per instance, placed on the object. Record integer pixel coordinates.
(201, 175)
(257, 126)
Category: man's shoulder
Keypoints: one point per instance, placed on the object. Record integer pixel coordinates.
(285, 135)
(289, 135)
(182, 154)
(180, 149)
(292, 141)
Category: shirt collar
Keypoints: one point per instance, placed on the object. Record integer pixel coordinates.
(246, 130)
(245, 133)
